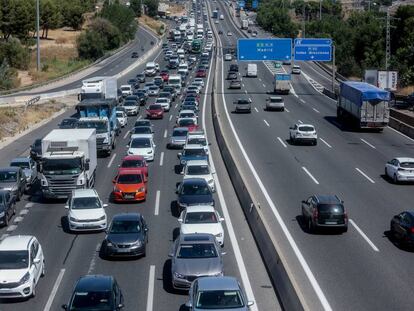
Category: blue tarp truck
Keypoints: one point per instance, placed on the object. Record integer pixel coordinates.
(363, 105)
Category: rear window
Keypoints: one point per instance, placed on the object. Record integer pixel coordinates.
(407, 164)
(306, 128)
(331, 208)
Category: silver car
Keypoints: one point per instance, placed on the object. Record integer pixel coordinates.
(178, 137)
(275, 103)
(217, 293)
(193, 256)
(28, 166)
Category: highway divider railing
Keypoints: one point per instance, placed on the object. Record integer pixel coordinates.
(265, 240)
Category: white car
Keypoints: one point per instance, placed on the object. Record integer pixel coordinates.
(122, 118)
(202, 219)
(187, 114)
(126, 90)
(193, 88)
(164, 102)
(197, 138)
(228, 57)
(86, 212)
(296, 69)
(142, 131)
(142, 146)
(275, 103)
(199, 81)
(216, 21)
(153, 90)
(22, 265)
(151, 69)
(199, 169)
(131, 108)
(229, 33)
(303, 133)
(400, 169)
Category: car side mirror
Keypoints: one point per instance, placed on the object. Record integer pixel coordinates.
(179, 155)
(146, 229)
(64, 306)
(291, 128)
(221, 218)
(113, 181)
(250, 303)
(36, 260)
(223, 253)
(87, 166)
(180, 220)
(120, 306)
(67, 206)
(171, 254)
(188, 304)
(105, 205)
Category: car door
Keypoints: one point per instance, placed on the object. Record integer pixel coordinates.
(306, 208)
(399, 225)
(35, 266)
(144, 228)
(8, 204)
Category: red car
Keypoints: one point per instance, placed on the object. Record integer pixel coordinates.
(129, 185)
(134, 162)
(188, 123)
(165, 75)
(155, 111)
(201, 73)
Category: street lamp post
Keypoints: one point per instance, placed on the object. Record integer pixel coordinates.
(37, 37)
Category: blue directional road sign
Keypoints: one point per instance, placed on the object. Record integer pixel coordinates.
(321, 53)
(255, 4)
(242, 4)
(313, 49)
(264, 49)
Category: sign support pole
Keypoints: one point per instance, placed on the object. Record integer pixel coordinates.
(333, 68)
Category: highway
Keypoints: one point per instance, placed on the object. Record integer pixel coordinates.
(359, 270)
(145, 282)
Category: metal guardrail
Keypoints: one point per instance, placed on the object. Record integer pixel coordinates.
(31, 101)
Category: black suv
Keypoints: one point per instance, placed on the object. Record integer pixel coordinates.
(324, 211)
(96, 292)
(193, 191)
(234, 67)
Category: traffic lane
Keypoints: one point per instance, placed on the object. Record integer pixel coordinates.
(354, 243)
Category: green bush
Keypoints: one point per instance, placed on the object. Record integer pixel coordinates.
(90, 45)
(15, 54)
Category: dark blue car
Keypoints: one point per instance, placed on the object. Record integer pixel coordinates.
(194, 191)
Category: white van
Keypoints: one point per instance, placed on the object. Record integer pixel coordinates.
(251, 70)
(181, 53)
(175, 81)
(151, 69)
(221, 16)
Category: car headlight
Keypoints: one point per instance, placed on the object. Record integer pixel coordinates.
(183, 204)
(109, 244)
(142, 189)
(179, 275)
(2, 214)
(218, 235)
(183, 162)
(102, 217)
(137, 243)
(72, 218)
(149, 152)
(25, 278)
(211, 181)
(81, 181)
(105, 140)
(219, 274)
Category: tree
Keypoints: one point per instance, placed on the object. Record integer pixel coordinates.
(50, 16)
(135, 5)
(15, 54)
(121, 17)
(90, 45)
(152, 7)
(24, 10)
(8, 76)
(8, 18)
(274, 18)
(109, 34)
(72, 15)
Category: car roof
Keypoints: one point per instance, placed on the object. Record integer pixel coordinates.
(405, 159)
(133, 157)
(218, 283)
(199, 208)
(84, 193)
(21, 159)
(126, 216)
(303, 124)
(194, 146)
(194, 181)
(197, 238)
(328, 199)
(15, 242)
(94, 283)
(196, 162)
(186, 111)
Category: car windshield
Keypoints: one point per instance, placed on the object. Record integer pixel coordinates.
(129, 179)
(180, 133)
(276, 100)
(6, 176)
(62, 166)
(192, 251)
(125, 88)
(142, 130)
(187, 115)
(142, 123)
(201, 218)
(219, 299)
(99, 126)
(125, 226)
(141, 143)
(198, 170)
(186, 122)
(243, 102)
(195, 189)
(92, 301)
(132, 163)
(197, 141)
(155, 107)
(331, 208)
(130, 103)
(407, 164)
(67, 122)
(153, 88)
(306, 128)
(22, 164)
(86, 203)
(119, 114)
(162, 100)
(14, 260)
(165, 94)
(194, 152)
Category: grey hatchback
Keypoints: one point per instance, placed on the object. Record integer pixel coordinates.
(195, 255)
(217, 293)
(13, 179)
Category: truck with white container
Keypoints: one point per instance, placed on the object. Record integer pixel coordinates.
(363, 105)
(244, 24)
(68, 162)
(99, 88)
(251, 70)
(282, 83)
(176, 81)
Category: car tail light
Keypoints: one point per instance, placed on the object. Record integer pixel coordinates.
(315, 214)
(346, 216)
(412, 230)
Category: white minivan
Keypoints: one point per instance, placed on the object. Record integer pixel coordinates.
(251, 70)
(176, 82)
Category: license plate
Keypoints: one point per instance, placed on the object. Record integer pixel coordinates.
(330, 222)
(129, 196)
(123, 250)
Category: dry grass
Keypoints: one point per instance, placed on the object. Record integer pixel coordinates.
(155, 25)
(176, 9)
(13, 120)
(406, 90)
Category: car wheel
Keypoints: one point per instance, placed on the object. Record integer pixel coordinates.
(386, 172)
(315, 142)
(345, 229)
(18, 196)
(395, 179)
(6, 220)
(310, 225)
(43, 269)
(34, 289)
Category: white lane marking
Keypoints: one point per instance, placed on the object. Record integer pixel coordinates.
(28, 205)
(11, 228)
(245, 91)
(287, 110)
(260, 79)
(17, 219)
(402, 134)
(176, 105)
(92, 264)
(24, 212)
(250, 99)
(170, 117)
(322, 140)
(241, 79)
(302, 100)
(162, 158)
(54, 290)
(157, 203)
(372, 146)
(243, 85)
(316, 110)
(165, 133)
(151, 281)
(126, 134)
(266, 123)
(292, 90)
(300, 121)
(256, 109)
(112, 160)
(3, 236)
(264, 85)
(282, 142)
(232, 235)
(365, 175)
(315, 285)
(310, 175)
(364, 236)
